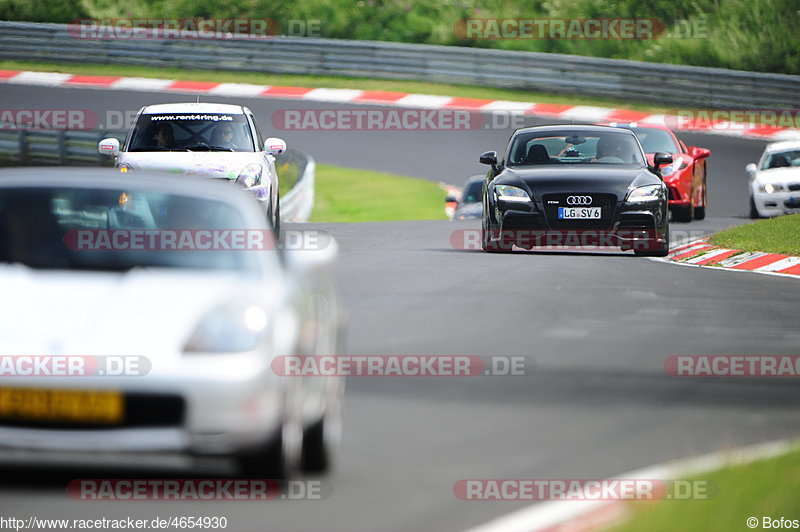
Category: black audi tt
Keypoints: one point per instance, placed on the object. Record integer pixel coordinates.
(575, 185)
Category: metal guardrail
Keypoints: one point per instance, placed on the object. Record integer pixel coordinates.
(297, 204)
(651, 82)
(52, 147)
(80, 148)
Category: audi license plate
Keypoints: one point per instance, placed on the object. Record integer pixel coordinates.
(579, 213)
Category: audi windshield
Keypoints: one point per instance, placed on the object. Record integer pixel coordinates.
(574, 147)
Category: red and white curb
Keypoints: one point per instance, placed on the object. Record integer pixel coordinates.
(373, 97)
(584, 516)
(703, 253)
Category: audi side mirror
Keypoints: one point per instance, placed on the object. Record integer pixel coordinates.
(660, 159)
(489, 157)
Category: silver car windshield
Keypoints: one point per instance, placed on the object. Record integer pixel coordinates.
(192, 132)
(78, 228)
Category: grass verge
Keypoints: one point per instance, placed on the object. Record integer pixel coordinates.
(766, 488)
(334, 82)
(351, 195)
(775, 235)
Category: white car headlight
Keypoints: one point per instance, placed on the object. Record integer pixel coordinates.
(509, 193)
(645, 193)
(250, 176)
(229, 329)
(771, 188)
(236, 328)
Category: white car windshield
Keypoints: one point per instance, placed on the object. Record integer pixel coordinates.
(782, 159)
(192, 132)
(118, 229)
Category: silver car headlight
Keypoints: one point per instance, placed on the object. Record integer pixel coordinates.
(771, 188)
(236, 328)
(509, 193)
(250, 176)
(229, 329)
(645, 193)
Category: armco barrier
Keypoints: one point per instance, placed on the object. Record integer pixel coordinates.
(634, 80)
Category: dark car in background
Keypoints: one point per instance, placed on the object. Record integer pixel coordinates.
(470, 207)
(575, 185)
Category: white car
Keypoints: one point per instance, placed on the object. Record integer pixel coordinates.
(206, 139)
(775, 181)
(205, 322)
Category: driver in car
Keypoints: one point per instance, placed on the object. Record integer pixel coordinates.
(163, 136)
(612, 150)
(223, 136)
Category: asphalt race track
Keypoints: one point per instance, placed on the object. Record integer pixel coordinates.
(596, 326)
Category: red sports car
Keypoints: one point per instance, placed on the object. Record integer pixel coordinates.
(685, 177)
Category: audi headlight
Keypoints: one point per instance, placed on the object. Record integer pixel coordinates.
(250, 176)
(771, 188)
(645, 193)
(509, 193)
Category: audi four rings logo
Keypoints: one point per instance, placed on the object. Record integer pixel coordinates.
(579, 200)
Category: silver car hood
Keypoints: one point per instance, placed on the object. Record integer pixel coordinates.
(138, 313)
